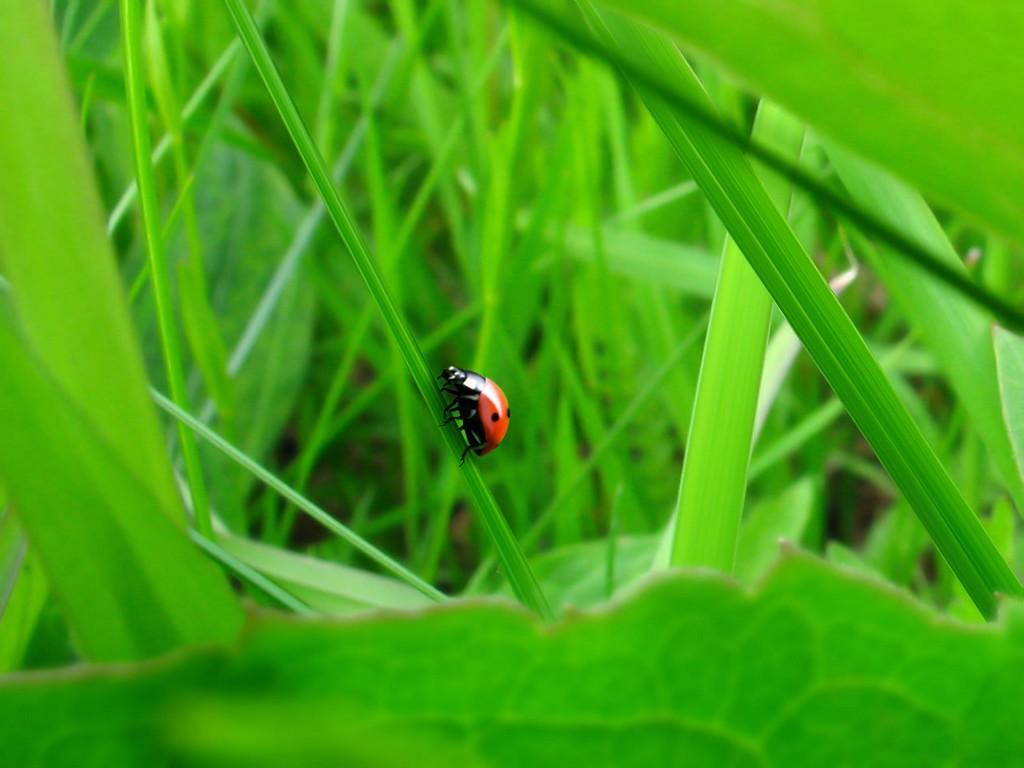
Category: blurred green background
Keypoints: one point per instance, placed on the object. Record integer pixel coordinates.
(546, 192)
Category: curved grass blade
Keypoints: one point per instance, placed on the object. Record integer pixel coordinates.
(131, 26)
(268, 478)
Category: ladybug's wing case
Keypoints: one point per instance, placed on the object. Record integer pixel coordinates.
(471, 387)
(493, 416)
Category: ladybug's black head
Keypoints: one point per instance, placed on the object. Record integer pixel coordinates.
(451, 373)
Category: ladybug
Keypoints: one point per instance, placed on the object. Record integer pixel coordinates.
(480, 405)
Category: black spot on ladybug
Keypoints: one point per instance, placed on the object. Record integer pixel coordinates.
(495, 417)
(508, 413)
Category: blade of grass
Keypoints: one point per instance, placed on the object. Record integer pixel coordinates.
(396, 247)
(191, 109)
(131, 31)
(956, 332)
(889, 81)
(653, 203)
(781, 354)
(324, 584)
(317, 513)
(511, 556)
(636, 256)
(200, 326)
(713, 485)
(250, 574)
(126, 577)
(62, 273)
(395, 59)
(816, 315)
(1009, 350)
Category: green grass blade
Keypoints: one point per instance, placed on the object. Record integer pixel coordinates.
(326, 586)
(62, 275)
(163, 146)
(198, 321)
(127, 578)
(714, 479)
(636, 256)
(827, 332)
(131, 29)
(955, 331)
(268, 478)
(226, 558)
(509, 552)
(1009, 350)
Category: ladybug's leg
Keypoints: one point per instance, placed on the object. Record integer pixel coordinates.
(467, 449)
(451, 416)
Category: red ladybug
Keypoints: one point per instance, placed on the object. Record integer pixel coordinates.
(480, 405)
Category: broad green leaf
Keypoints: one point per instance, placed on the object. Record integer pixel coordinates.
(55, 254)
(955, 330)
(129, 581)
(818, 666)
(931, 90)
(1010, 361)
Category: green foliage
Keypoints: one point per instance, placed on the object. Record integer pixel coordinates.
(109, 531)
(1009, 351)
(159, 276)
(816, 315)
(53, 252)
(714, 478)
(127, 576)
(893, 83)
(813, 667)
(956, 332)
(506, 202)
(508, 549)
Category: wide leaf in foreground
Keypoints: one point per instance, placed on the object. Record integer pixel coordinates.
(817, 666)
